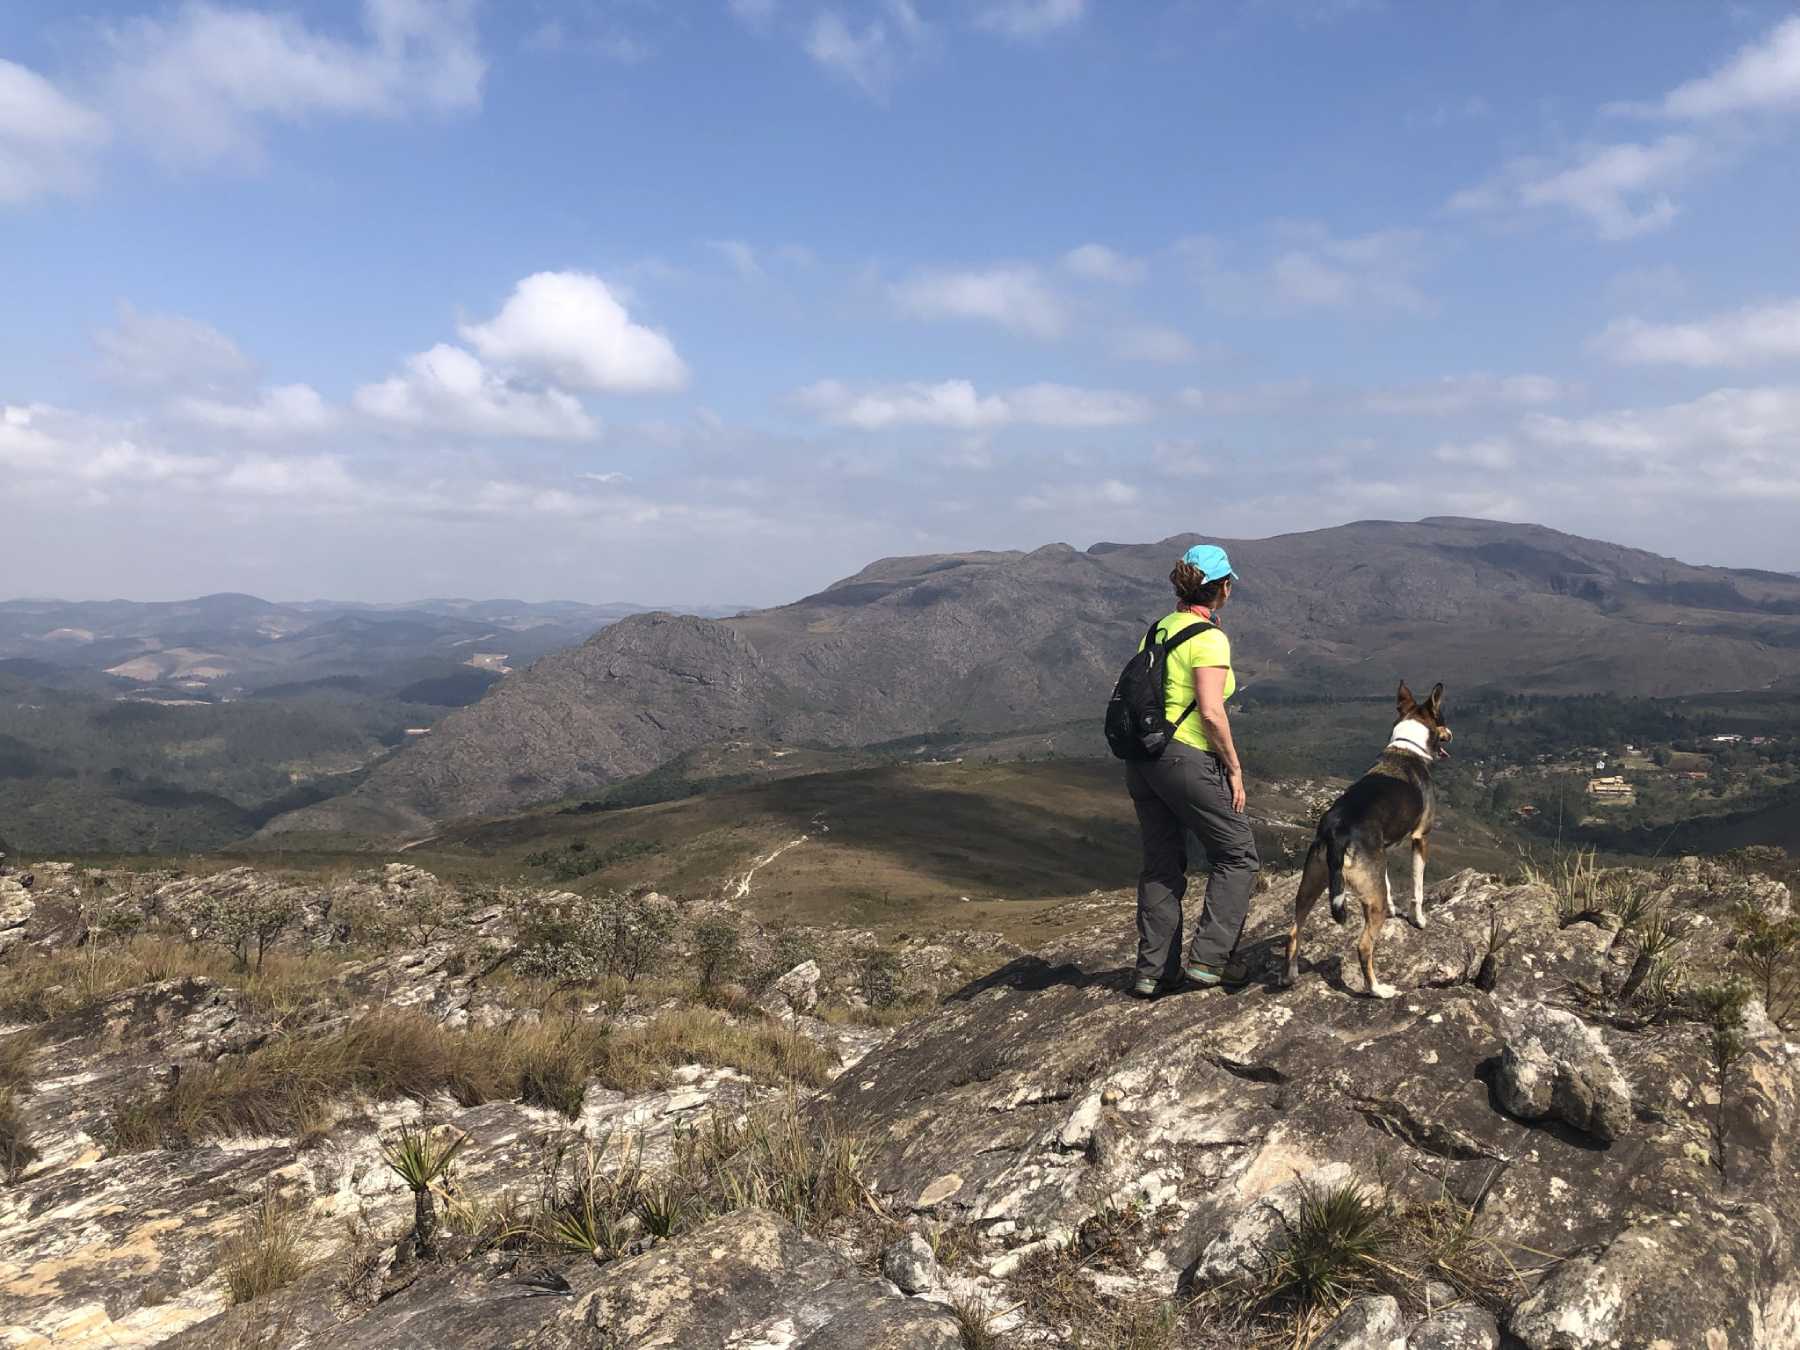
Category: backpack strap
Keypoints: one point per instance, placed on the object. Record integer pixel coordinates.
(1169, 644)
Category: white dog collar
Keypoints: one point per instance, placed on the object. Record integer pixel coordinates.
(1413, 736)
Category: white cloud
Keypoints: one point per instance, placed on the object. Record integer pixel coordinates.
(957, 404)
(1097, 262)
(195, 87)
(568, 328)
(1030, 18)
(1754, 419)
(1156, 345)
(1625, 189)
(47, 139)
(753, 13)
(170, 351)
(286, 410)
(1492, 453)
(1014, 297)
(1452, 394)
(1080, 498)
(1622, 189)
(1763, 76)
(1754, 335)
(1271, 396)
(1369, 271)
(312, 479)
(448, 389)
(741, 256)
(870, 57)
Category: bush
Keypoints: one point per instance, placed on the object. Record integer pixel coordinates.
(290, 1084)
(242, 922)
(579, 858)
(716, 943)
(575, 939)
(1767, 952)
(879, 980)
(16, 1152)
(266, 1255)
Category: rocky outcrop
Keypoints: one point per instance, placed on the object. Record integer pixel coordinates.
(1038, 1130)
(1040, 1097)
(1553, 1065)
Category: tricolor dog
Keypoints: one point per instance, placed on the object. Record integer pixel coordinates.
(1393, 801)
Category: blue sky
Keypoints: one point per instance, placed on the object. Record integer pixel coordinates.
(630, 299)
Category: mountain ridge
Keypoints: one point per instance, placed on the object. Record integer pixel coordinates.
(989, 642)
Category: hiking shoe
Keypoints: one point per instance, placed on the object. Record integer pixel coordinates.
(1156, 988)
(1231, 975)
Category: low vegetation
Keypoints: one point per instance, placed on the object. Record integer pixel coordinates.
(294, 1085)
(266, 1255)
(421, 1158)
(572, 940)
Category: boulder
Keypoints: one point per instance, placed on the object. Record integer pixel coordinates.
(752, 1279)
(795, 992)
(1464, 1327)
(16, 909)
(1554, 1066)
(1260, 1228)
(1373, 1323)
(911, 1264)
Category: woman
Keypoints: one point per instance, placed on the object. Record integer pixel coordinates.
(1196, 785)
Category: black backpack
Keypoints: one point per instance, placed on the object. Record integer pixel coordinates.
(1137, 723)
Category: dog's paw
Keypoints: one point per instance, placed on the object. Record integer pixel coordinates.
(1380, 990)
(1285, 979)
(1417, 917)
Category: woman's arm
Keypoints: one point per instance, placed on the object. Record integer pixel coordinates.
(1209, 701)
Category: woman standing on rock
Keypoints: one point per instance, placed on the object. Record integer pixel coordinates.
(1196, 784)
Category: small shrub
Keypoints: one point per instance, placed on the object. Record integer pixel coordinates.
(1722, 1007)
(716, 943)
(16, 1053)
(243, 923)
(573, 940)
(1767, 952)
(1337, 1242)
(422, 1162)
(266, 1255)
(16, 1152)
(975, 1322)
(787, 949)
(580, 858)
(1658, 935)
(879, 981)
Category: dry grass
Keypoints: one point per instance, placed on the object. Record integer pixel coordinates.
(266, 1255)
(16, 1054)
(38, 987)
(16, 1152)
(596, 1199)
(1347, 1241)
(287, 1087)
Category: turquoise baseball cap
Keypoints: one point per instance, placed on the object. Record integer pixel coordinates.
(1210, 559)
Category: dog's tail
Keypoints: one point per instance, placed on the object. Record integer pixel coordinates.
(1337, 844)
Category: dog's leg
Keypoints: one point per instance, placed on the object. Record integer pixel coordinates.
(1312, 886)
(1420, 847)
(1374, 906)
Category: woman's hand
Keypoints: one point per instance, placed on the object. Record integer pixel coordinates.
(1234, 778)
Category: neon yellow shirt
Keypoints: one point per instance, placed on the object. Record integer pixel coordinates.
(1209, 649)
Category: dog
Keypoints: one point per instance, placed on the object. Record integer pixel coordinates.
(1395, 800)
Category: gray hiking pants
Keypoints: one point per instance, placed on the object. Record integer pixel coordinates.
(1187, 790)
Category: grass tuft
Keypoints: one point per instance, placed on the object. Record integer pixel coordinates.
(286, 1087)
(266, 1255)
(16, 1152)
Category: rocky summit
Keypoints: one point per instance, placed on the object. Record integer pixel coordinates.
(1569, 1131)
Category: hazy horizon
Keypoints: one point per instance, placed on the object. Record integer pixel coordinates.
(375, 299)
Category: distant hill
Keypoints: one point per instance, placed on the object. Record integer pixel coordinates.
(993, 642)
(228, 645)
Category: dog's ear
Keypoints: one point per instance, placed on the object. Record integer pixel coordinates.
(1435, 704)
(1405, 702)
